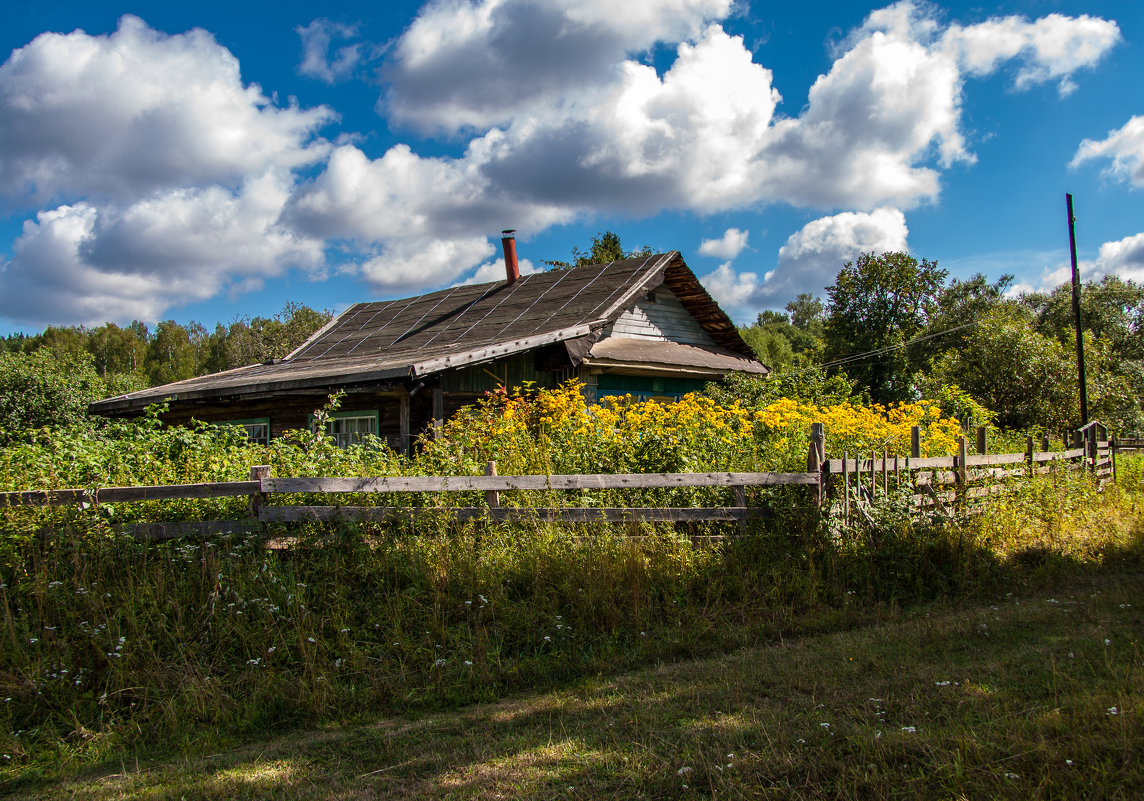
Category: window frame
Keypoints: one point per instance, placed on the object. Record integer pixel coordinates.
(374, 415)
(251, 421)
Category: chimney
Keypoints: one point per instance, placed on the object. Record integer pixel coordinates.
(511, 268)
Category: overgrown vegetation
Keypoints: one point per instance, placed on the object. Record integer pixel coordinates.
(112, 646)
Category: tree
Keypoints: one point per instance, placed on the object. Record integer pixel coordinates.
(1026, 378)
(42, 388)
(877, 304)
(118, 350)
(606, 247)
(777, 342)
(807, 313)
(171, 355)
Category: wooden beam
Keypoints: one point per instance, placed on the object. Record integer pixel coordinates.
(538, 482)
(59, 497)
(403, 433)
(438, 410)
(651, 514)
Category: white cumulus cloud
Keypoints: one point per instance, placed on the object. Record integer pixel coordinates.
(88, 263)
(810, 259)
(1124, 146)
(728, 246)
(136, 111)
(1123, 258)
(479, 63)
(329, 52)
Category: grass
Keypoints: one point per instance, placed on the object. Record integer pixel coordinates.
(120, 653)
(1036, 696)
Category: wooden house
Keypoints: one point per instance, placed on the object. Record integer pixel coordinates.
(642, 326)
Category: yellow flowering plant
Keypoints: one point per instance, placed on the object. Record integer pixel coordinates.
(558, 431)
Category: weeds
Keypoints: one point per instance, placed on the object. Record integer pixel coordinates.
(110, 645)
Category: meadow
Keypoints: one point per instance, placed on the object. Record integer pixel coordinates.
(114, 650)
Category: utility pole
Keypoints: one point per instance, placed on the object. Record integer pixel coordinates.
(1076, 314)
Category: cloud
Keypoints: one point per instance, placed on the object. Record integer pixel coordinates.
(1121, 257)
(704, 135)
(495, 271)
(810, 259)
(418, 263)
(1124, 258)
(729, 246)
(87, 264)
(1125, 146)
(1053, 47)
(137, 111)
(327, 63)
(465, 64)
(560, 115)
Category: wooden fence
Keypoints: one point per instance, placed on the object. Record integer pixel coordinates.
(847, 488)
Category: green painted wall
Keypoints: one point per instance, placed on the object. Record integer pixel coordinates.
(646, 386)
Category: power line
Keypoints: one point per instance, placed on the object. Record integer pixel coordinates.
(880, 351)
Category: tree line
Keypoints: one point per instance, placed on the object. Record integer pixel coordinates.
(49, 378)
(896, 329)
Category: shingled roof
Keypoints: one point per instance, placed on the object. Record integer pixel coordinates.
(470, 324)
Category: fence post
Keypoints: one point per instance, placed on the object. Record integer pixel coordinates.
(1112, 446)
(845, 488)
(1045, 443)
(815, 456)
(962, 472)
(981, 439)
(492, 497)
(1029, 457)
(915, 442)
(258, 499)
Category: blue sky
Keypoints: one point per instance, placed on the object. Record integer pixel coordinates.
(208, 161)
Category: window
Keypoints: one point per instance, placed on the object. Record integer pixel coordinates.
(257, 429)
(350, 428)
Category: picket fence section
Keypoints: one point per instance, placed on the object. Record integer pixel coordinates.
(847, 489)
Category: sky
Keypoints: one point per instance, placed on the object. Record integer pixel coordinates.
(210, 161)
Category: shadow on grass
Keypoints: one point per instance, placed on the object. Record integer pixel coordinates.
(1007, 700)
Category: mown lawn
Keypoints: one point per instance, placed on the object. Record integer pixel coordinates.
(1035, 696)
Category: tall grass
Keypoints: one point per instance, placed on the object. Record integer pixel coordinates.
(110, 645)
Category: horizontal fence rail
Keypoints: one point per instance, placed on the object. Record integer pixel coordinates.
(845, 488)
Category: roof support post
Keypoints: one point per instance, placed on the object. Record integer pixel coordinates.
(438, 410)
(403, 423)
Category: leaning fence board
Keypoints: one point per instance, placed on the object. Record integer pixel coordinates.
(936, 476)
(538, 482)
(162, 492)
(651, 514)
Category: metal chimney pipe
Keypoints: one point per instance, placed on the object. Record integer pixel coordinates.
(508, 242)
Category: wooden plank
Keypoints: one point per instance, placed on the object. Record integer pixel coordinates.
(60, 497)
(997, 474)
(1050, 456)
(835, 465)
(192, 528)
(537, 482)
(927, 478)
(653, 514)
(975, 460)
